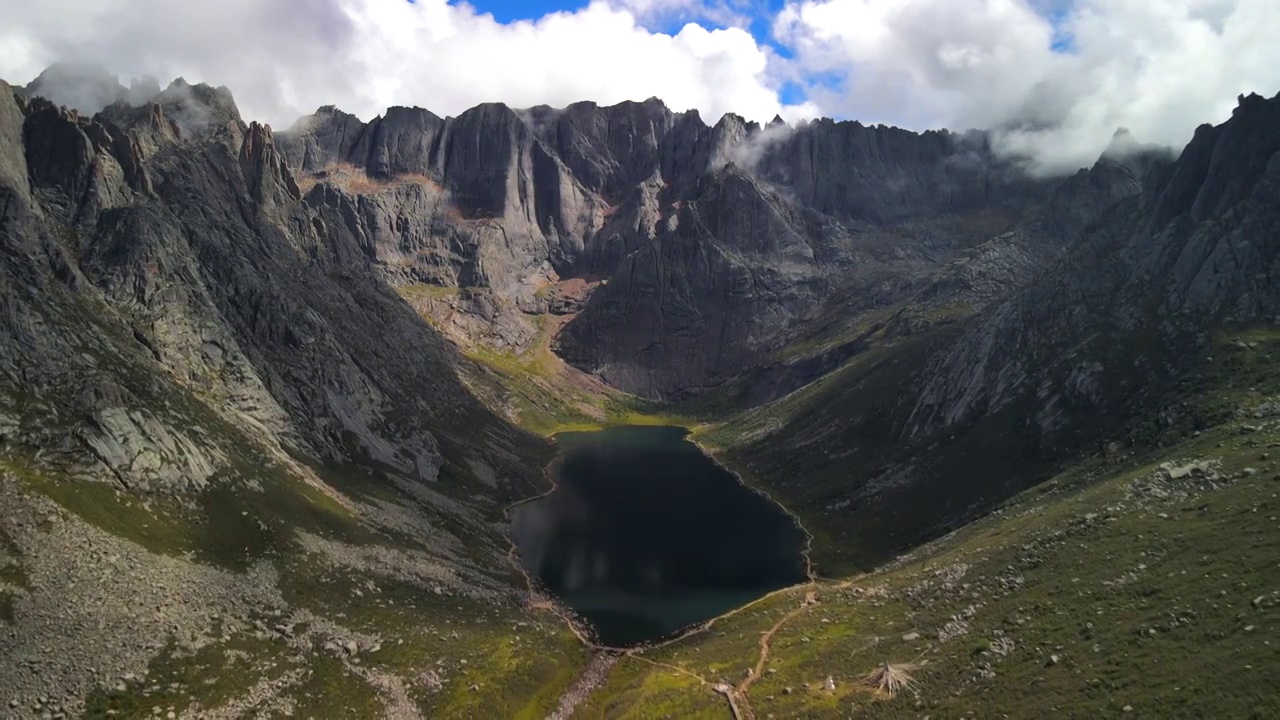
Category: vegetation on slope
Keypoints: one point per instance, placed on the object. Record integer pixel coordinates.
(1145, 583)
(537, 390)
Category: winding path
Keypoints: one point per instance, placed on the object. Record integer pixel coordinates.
(737, 696)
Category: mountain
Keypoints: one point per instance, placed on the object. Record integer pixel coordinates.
(1104, 346)
(266, 397)
(253, 426)
(701, 245)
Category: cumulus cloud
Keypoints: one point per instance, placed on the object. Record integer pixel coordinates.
(920, 62)
(1057, 78)
(283, 59)
(722, 13)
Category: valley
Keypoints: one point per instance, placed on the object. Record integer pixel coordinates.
(881, 423)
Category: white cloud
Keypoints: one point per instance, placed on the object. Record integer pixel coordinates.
(921, 62)
(1157, 67)
(282, 59)
(721, 13)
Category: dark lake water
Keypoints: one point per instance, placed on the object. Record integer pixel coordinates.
(645, 535)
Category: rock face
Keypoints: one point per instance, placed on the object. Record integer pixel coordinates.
(1105, 346)
(254, 269)
(713, 240)
(165, 281)
(1193, 250)
(144, 453)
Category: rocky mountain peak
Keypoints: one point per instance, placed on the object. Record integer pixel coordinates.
(83, 87)
(1249, 103)
(201, 109)
(1222, 163)
(265, 171)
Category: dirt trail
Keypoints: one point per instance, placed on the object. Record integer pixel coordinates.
(810, 600)
(739, 703)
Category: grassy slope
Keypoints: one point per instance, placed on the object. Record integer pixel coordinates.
(1106, 587)
(539, 391)
(537, 656)
(253, 512)
(788, 448)
(1075, 568)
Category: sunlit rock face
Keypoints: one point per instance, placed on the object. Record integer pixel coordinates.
(646, 535)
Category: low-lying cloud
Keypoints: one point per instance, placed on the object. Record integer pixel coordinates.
(283, 59)
(1054, 78)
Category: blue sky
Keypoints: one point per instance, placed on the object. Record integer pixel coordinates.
(507, 10)
(761, 12)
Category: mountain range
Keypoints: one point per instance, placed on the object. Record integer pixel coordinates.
(266, 396)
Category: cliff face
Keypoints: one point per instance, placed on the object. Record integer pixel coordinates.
(179, 239)
(713, 241)
(1111, 346)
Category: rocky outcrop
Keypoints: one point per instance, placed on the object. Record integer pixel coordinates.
(13, 158)
(1193, 250)
(1104, 344)
(267, 175)
(212, 297)
(608, 149)
(145, 454)
(86, 164)
(667, 209)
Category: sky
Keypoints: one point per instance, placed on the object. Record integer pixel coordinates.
(1054, 78)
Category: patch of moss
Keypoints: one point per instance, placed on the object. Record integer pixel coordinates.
(8, 611)
(637, 690)
(513, 677)
(330, 690)
(209, 677)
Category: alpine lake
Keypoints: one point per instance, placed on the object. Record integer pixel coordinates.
(645, 536)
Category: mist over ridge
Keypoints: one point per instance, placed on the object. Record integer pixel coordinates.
(1055, 78)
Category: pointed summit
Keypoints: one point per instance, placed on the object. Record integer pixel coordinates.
(83, 87)
(1122, 143)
